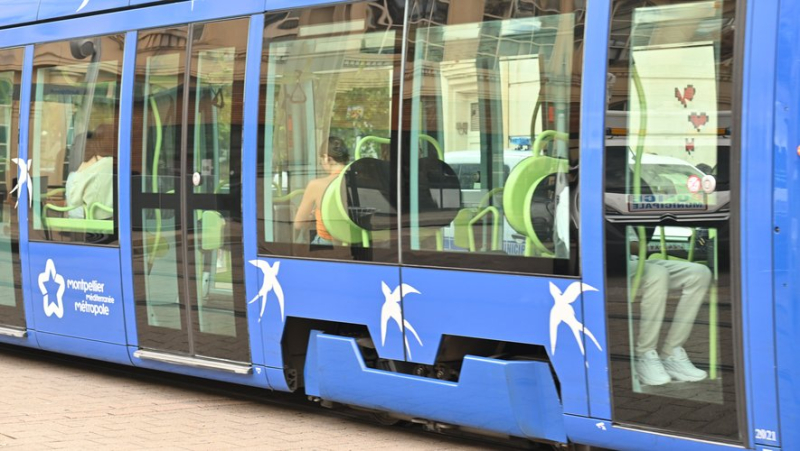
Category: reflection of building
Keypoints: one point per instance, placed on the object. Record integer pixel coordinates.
(327, 71)
(688, 29)
(508, 79)
(76, 91)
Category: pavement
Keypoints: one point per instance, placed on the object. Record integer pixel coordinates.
(58, 402)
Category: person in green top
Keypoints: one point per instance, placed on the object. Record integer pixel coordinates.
(93, 181)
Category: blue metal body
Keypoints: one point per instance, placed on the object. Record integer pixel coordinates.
(491, 394)
(785, 230)
(515, 398)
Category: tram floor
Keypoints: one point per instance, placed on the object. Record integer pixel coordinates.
(52, 401)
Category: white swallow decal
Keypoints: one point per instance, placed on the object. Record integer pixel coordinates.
(562, 312)
(57, 307)
(23, 178)
(270, 284)
(392, 310)
(83, 5)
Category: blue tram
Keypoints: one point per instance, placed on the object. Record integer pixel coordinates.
(563, 221)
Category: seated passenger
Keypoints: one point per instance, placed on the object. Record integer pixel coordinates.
(659, 277)
(334, 157)
(93, 181)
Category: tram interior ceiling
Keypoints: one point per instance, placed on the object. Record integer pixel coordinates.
(537, 220)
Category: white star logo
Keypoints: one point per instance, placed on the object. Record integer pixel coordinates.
(23, 179)
(392, 310)
(49, 273)
(83, 5)
(270, 284)
(562, 312)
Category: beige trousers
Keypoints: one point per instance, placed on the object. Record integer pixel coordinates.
(661, 276)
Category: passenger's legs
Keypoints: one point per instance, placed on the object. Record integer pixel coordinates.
(693, 280)
(654, 288)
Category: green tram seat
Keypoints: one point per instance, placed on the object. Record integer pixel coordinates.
(87, 224)
(518, 196)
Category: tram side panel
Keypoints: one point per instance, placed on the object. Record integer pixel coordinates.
(77, 297)
(73, 254)
(786, 207)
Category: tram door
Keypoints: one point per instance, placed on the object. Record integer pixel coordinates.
(186, 193)
(670, 207)
(12, 313)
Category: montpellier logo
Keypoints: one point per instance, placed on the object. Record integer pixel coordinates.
(50, 274)
(270, 284)
(562, 312)
(24, 180)
(392, 310)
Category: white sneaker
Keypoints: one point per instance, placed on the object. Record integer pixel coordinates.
(650, 369)
(680, 368)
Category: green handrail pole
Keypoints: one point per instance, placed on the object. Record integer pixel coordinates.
(637, 179)
(365, 139)
(545, 137)
(692, 243)
(154, 181)
(713, 315)
(432, 140)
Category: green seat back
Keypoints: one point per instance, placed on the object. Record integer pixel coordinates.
(520, 187)
(335, 217)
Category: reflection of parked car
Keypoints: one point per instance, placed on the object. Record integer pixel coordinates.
(665, 191)
(664, 187)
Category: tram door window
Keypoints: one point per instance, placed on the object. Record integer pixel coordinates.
(671, 307)
(73, 136)
(187, 206)
(12, 312)
(327, 187)
(491, 148)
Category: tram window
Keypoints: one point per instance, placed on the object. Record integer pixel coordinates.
(11, 308)
(74, 124)
(668, 234)
(326, 183)
(491, 144)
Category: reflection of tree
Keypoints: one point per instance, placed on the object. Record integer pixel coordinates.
(6, 91)
(362, 112)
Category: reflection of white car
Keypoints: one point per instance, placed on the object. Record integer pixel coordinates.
(665, 189)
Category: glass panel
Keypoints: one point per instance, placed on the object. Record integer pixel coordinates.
(668, 238)
(161, 269)
(494, 117)
(216, 275)
(158, 231)
(327, 93)
(11, 309)
(212, 123)
(74, 124)
(162, 106)
(8, 102)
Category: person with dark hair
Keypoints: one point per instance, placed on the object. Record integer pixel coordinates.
(334, 156)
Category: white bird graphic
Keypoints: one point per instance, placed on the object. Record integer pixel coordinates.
(23, 179)
(270, 284)
(83, 5)
(562, 312)
(392, 310)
